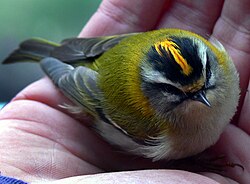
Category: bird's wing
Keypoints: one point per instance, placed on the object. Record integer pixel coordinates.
(78, 84)
(76, 50)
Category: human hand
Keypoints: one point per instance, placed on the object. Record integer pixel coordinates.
(40, 141)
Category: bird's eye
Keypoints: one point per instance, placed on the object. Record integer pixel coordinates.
(169, 88)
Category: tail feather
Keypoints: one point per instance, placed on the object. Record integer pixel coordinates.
(31, 50)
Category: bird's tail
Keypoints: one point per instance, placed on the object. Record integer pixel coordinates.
(31, 50)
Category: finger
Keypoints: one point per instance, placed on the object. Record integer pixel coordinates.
(118, 16)
(234, 145)
(138, 177)
(233, 31)
(197, 16)
(244, 120)
(43, 91)
(34, 142)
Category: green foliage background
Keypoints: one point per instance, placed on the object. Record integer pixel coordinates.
(22, 19)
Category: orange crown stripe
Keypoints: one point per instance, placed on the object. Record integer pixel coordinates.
(173, 48)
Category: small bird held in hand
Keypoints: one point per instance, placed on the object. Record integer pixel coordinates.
(164, 94)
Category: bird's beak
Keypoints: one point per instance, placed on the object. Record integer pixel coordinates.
(201, 97)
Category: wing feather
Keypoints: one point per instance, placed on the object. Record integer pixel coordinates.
(79, 84)
(76, 50)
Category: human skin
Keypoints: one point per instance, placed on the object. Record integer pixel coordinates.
(41, 142)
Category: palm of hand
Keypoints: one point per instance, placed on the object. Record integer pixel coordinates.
(52, 145)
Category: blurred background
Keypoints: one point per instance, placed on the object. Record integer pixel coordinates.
(22, 19)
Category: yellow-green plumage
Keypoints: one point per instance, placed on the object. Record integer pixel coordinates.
(119, 79)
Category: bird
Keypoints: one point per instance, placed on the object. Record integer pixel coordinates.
(164, 94)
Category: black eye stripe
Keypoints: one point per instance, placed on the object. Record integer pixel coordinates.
(167, 88)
